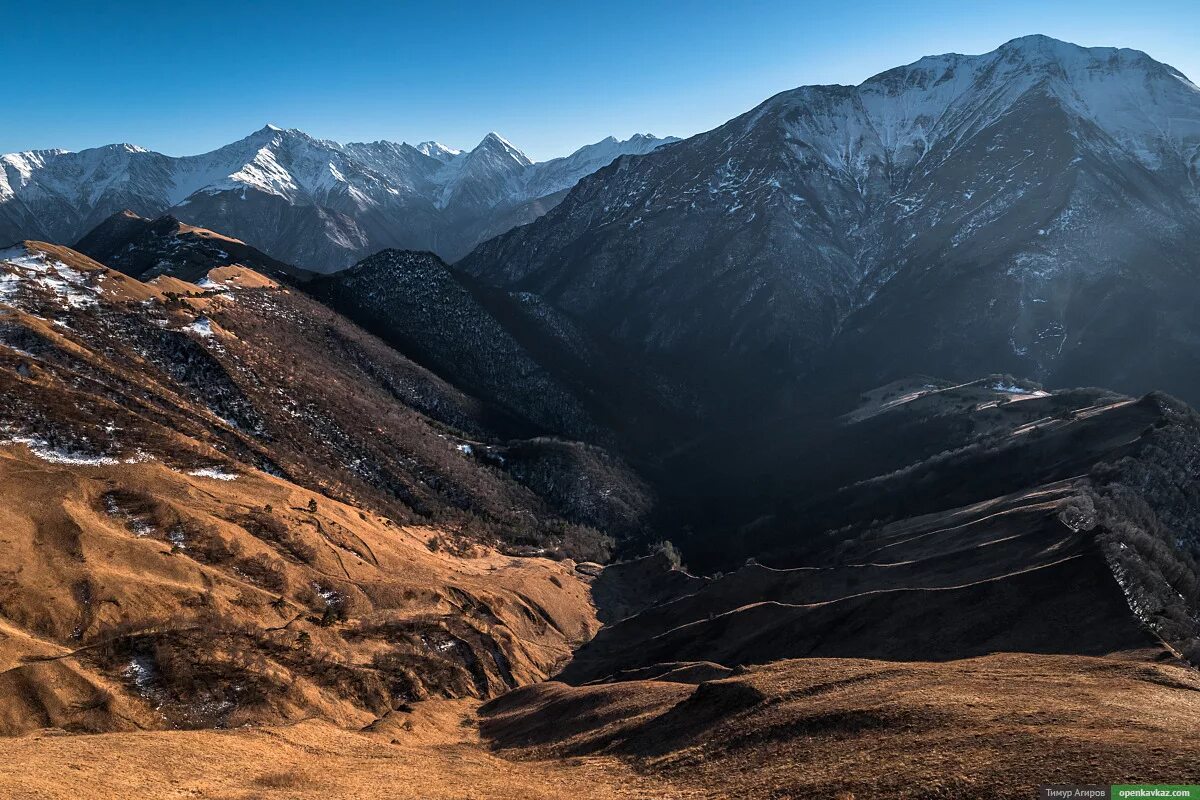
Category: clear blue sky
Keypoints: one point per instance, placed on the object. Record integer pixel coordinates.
(184, 77)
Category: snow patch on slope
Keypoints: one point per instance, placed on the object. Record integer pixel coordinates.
(30, 269)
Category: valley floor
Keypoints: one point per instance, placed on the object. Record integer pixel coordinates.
(991, 727)
(435, 753)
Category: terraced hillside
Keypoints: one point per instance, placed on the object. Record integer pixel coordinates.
(975, 590)
(963, 520)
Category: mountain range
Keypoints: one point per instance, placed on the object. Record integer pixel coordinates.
(307, 201)
(1033, 211)
(882, 365)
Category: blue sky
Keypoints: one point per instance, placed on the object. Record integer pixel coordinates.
(185, 77)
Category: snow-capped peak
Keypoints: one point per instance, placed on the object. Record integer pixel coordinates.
(327, 184)
(494, 142)
(557, 174)
(438, 150)
(1038, 47)
(1149, 109)
(124, 147)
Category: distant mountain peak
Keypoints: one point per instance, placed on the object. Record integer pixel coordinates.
(493, 137)
(308, 201)
(494, 142)
(438, 150)
(274, 135)
(268, 131)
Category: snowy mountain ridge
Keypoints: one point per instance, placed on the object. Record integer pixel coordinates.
(1150, 108)
(359, 196)
(1037, 204)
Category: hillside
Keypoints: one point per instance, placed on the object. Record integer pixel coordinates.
(955, 552)
(144, 596)
(145, 249)
(513, 348)
(250, 372)
(980, 729)
(227, 505)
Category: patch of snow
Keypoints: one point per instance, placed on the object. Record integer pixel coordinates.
(438, 150)
(55, 455)
(332, 597)
(177, 538)
(201, 327)
(141, 671)
(1010, 388)
(37, 270)
(9, 285)
(215, 473)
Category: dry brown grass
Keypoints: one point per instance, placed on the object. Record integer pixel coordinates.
(289, 779)
(976, 729)
(429, 754)
(242, 625)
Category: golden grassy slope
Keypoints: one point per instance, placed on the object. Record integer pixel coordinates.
(312, 607)
(991, 727)
(432, 754)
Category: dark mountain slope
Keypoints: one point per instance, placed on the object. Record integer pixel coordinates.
(514, 349)
(1027, 521)
(417, 304)
(144, 249)
(1015, 212)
